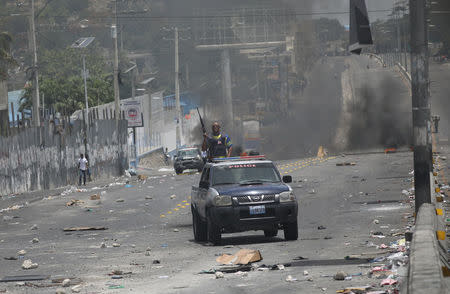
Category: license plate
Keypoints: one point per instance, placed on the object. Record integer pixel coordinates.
(260, 209)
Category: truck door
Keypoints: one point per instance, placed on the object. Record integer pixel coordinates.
(203, 191)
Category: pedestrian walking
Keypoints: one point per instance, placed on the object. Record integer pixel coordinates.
(82, 167)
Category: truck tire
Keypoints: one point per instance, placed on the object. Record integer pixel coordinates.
(178, 171)
(198, 226)
(291, 231)
(213, 231)
(270, 233)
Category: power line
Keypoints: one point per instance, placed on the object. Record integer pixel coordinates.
(220, 16)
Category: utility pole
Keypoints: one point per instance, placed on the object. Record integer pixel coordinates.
(36, 115)
(177, 91)
(420, 102)
(116, 68)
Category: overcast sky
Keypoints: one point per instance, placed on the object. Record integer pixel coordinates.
(343, 5)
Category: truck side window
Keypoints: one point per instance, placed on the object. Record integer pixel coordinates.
(205, 176)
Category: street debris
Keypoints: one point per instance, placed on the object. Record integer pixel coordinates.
(21, 252)
(142, 177)
(10, 258)
(289, 278)
(219, 275)
(173, 196)
(13, 207)
(148, 197)
(321, 228)
(60, 291)
(95, 197)
(73, 202)
(346, 164)
(120, 200)
(34, 227)
(115, 245)
(340, 276)
(65, 283)
(103, 245)
(176, 230)
(76, 289)
(34, 240)
(359, 289)
(76, 229)
(243, 256)
(305, 273)
(28, 264)
(388, 282)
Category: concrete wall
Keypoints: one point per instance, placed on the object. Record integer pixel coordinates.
(47, 157)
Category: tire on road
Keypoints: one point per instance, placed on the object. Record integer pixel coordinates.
(270, 233)
(213, 231)
(198, 226)
(291, 231)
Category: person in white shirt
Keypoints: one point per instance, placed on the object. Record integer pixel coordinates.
(82, 167)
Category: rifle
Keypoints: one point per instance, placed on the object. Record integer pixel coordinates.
(201, 121)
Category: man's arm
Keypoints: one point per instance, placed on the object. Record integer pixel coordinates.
(229, 151)
(229, 145)
(205, 142)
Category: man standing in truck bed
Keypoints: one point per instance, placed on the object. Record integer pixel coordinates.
(217, 145)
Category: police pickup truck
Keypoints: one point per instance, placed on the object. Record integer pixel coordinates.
(243, 194)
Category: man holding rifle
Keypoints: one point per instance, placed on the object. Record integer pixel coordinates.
(217, 145)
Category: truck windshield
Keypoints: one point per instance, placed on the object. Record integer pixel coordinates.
(188, 153)
(253, 173)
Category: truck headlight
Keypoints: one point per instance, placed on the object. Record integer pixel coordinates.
(222, 200)
(287, 196)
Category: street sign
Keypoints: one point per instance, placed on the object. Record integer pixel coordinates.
(133, 113)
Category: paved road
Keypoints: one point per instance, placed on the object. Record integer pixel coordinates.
(345, 200)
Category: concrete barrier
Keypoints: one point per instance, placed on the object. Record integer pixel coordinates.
(152, 159)
(425, 271)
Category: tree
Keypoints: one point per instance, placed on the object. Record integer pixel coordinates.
(61, 82)
(6, 61)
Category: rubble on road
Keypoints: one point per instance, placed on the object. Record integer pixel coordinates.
(28, 264)
(14, 207)
(34, 227)
(243, 257)
(73, 202)
(95, 197)
(76, 229)
(289, 278)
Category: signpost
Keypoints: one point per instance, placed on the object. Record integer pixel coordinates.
(133, 114)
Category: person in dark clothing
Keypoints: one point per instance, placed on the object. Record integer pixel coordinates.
(217, 145)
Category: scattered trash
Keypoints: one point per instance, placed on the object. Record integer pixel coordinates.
(65, 283)
(103, 245)
(219, 275)
(115, 245)
(328, 237)
(24, 278)
(75, 229)
(340, 276)
(289, 278)
(142, 177)
(73, 202)
(346, 164)
(60, 291)
(28, 264)
(312, 191)
(116, 287)
(14, 207)
(376, 222)
(359, 289)
(21, 252)
(34, 240)
(243, 256)
(34, 227)
(299, 258)
(10, 258)
(163, 277)
(388, 281)
(120, 200)
(176, 230)
(173, 196)
(116, 277)
(76, 289)
(128, 186)
(321, 228)
(305, 273)
(242, 274)
(148, 197)
(95, 197)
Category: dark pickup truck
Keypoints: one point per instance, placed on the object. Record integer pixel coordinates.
(243, 195)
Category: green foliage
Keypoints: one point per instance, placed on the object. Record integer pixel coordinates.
(6, 59)
(61, 82)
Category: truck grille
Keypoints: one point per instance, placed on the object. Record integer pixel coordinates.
(254, 199)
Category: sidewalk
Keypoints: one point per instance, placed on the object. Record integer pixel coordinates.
(442, 168)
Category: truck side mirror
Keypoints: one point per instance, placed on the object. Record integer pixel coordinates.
(287, 179)
(204, 185)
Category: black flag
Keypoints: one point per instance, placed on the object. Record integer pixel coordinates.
(360, 34)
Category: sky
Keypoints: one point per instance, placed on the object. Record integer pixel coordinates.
(343, 5)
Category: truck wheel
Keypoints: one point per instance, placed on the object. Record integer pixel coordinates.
(213, 231)
(198, 226)
(178, 171)
(291, 231)
(270, 233)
